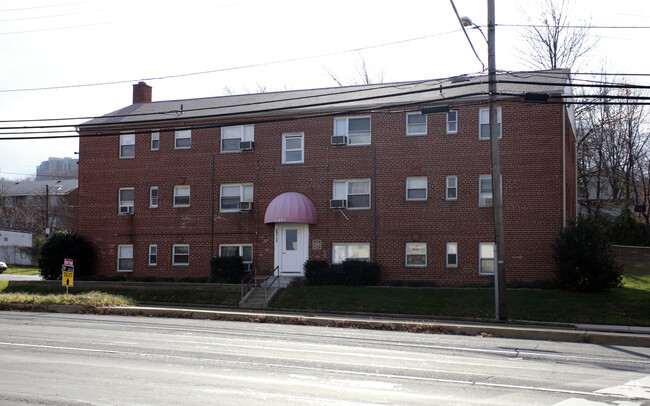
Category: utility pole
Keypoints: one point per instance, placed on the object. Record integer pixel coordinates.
(501, 303)
(47, 210)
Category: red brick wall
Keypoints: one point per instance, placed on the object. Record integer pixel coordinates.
(531, 150)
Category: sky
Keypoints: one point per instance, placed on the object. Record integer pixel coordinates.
(76, 59)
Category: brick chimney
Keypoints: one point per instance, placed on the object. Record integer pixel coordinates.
(141, 93)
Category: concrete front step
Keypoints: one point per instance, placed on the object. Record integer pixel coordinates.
(255, 298)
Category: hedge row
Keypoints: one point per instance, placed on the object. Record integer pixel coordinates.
(350, 272)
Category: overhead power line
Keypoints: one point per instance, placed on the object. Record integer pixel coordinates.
(433, 85)
(234, 120)
(227, 69)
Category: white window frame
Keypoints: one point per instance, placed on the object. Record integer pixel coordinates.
(240, 248)
(153, 201)
(410, 254)
(155, 140)
(125, 203)
(127, 140)
(453, 122)
(341, 190)
(185, 134)
(243, 133)
(246, 191)
(123, 249)
(485, 246)
(410, 185)
(181, 192)
(342, 127)
(449, 185)
(285, 148)
(484, 120)
(452, 249)
(174, 254)
(153, 253)
(482, 195)
(347, 247)
(411, 128)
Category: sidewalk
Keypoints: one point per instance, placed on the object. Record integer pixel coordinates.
(587, 333)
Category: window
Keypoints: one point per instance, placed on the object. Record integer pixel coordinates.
(452, 122)
(29, 201)
(10, 201)
(356, 192)
(155, 140)
(416, 188)
(126, 202)
(241, 250)
(341, 252)
(485, 191)
(181, 254)
(183, 139)
(357, 129)
(293, 148)
(127, 145)
(125, 258)
(416, 254)
(452, 255)
(484, 123)
(181, 196)
(486, 254)
(233, 135)
(153, 197)
(416, 124)
(231, 195)
(153, 254)
(452, 187)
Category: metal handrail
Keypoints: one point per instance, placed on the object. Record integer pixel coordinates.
(247, 281)
(273, 278)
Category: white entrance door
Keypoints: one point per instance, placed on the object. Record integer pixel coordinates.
(291, 247)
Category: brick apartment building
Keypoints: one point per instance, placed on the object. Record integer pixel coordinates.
(348, 172)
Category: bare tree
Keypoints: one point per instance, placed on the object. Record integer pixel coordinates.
(362, 75)
(612, 145)
(554, 40)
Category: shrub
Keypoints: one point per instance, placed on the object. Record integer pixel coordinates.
(316, 272)
(626, 229)
(584, 257)
(351, 272)
(61, 245)
(226, 269)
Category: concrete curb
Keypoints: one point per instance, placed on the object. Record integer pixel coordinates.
(432, 327)
(518, 331)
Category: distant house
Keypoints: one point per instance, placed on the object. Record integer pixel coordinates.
(15, 247)
(348, 172)
(40, 207)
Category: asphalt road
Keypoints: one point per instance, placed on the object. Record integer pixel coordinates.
(61, 359)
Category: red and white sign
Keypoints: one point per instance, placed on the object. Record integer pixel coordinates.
(68, 262)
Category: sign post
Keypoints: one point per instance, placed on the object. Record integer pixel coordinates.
(67, 279)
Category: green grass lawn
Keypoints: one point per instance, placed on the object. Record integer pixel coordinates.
(628, 305)
(21, 270)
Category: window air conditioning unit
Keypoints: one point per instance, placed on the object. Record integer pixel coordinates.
(339, 140)
(338, 204)
(245, 206)
(246, 145)
(486, 201)
(126, 209)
